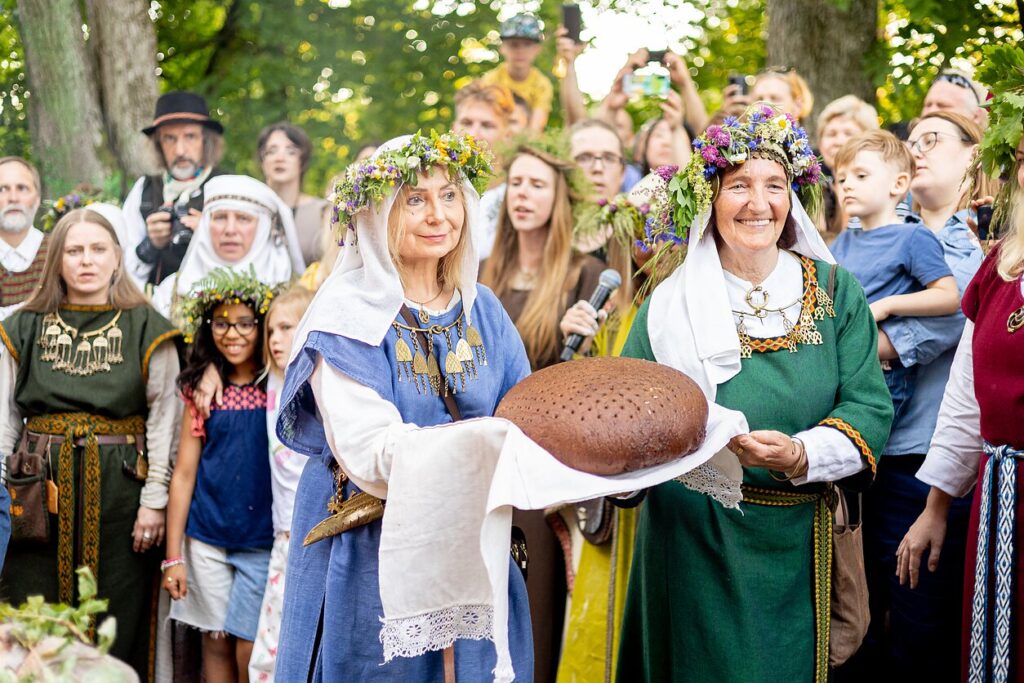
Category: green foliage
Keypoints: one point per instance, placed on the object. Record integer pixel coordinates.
(36, 620)
(1003, 68)
(14, 137)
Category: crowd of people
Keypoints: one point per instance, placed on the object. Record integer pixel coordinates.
(263, 419)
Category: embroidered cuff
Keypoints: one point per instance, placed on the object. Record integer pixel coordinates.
(854, 436)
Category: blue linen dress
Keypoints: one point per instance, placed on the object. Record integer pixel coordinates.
(330, 628)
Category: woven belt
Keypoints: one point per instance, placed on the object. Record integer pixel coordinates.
(85, 430)
(998, 514)
(823, 527)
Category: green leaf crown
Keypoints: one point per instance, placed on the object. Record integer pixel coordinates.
(222, 285)
(368, 182)
(1002, 69)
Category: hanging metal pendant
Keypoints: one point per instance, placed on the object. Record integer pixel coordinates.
(434, 374)
(423, 317)
(83, 354)
(746, 350)
(403, 356)
(465, 356)
(115, 338)
(98, 362)
(477, 344)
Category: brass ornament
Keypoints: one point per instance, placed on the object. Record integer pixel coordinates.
(1015, 321)
(422, 367)
(96, 350)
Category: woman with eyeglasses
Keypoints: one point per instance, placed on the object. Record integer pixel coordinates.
(537, 275)
(87, 421)
(918, 631)
(284, 152)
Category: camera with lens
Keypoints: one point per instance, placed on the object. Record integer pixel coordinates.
(181, 235)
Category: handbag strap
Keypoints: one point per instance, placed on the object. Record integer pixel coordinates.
(449, 401)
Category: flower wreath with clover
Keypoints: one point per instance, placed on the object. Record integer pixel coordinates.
(661, 208)
(222, 286)
(368, 182)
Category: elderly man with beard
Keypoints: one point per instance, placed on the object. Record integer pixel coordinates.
(163, 210)
(22, 247)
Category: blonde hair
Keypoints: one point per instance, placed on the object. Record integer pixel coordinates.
(850, 106)
(888, 146)
(1010, 263)
(798, 88)
(559, 270)
(295, 300)
(981, 185)
(449, 268)
(52, 290)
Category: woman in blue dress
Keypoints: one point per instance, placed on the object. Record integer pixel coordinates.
(398, 329)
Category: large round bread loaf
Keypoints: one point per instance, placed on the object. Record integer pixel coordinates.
(609, 415)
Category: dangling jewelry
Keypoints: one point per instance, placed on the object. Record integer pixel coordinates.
(1015, 321)
(816, 305)
(96, 351)
(421, 366)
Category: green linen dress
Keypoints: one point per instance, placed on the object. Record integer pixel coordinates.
(129, 580)
(724, 595)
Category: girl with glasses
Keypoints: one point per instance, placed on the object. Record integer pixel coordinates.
(219, 525)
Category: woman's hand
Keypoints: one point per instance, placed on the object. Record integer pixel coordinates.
(766, 448)
(210, 391)
(733, 101)
(148, 530)
(927, 533)
(175, 581)
(583, 320)
(972, 221)
(567, 48)
(672, 111)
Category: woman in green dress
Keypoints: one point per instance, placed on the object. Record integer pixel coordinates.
(757, 317)
(87, 371)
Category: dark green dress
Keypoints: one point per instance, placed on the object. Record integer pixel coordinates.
(723, 595)
(129, 580)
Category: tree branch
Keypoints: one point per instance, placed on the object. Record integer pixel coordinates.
(226, 34)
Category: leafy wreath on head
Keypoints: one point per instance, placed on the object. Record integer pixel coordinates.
(368, 182)
(1002, 69)
(222, 285)
(81, 197)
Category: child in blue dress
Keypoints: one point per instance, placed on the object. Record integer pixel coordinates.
(219, 525)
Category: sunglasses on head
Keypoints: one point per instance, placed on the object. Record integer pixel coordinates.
(961, 82)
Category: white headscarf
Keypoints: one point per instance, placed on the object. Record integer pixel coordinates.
(363, 294)
(690, 322)
(275, 250)
(115, 217)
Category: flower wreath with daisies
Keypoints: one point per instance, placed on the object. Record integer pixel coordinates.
(368, 182)
(222, 286)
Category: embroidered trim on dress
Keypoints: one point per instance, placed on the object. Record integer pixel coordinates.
(413, 636)
(146, 357)
(854, 436)
(9, 344)
(816, 305)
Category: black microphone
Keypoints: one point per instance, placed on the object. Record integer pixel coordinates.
(609, 281)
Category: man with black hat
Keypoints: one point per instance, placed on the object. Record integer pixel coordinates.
(163, 210)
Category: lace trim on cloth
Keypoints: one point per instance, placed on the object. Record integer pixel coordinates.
(709, 480)
(416, 635)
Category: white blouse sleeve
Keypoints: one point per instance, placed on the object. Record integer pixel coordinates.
(162, 424)
(952, 460)
(830, 455)
(358, 421)
(11, 422)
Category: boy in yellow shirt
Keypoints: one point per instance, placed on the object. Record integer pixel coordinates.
(520, 44)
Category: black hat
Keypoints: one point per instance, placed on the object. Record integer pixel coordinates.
(182, 107)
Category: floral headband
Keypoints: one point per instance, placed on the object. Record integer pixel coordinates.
(368, 182)
(221, 286)
(81, 197)
(762, 132)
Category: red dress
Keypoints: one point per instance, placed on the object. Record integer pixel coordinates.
(993, 605)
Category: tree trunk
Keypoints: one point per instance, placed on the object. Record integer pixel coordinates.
(826, 44)
(124, 42)
(64, 116)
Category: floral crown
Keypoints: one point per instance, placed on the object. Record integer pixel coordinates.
(81, 197)
(761, 133)
(222, 285)
(368, 182)
(1002, 68)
